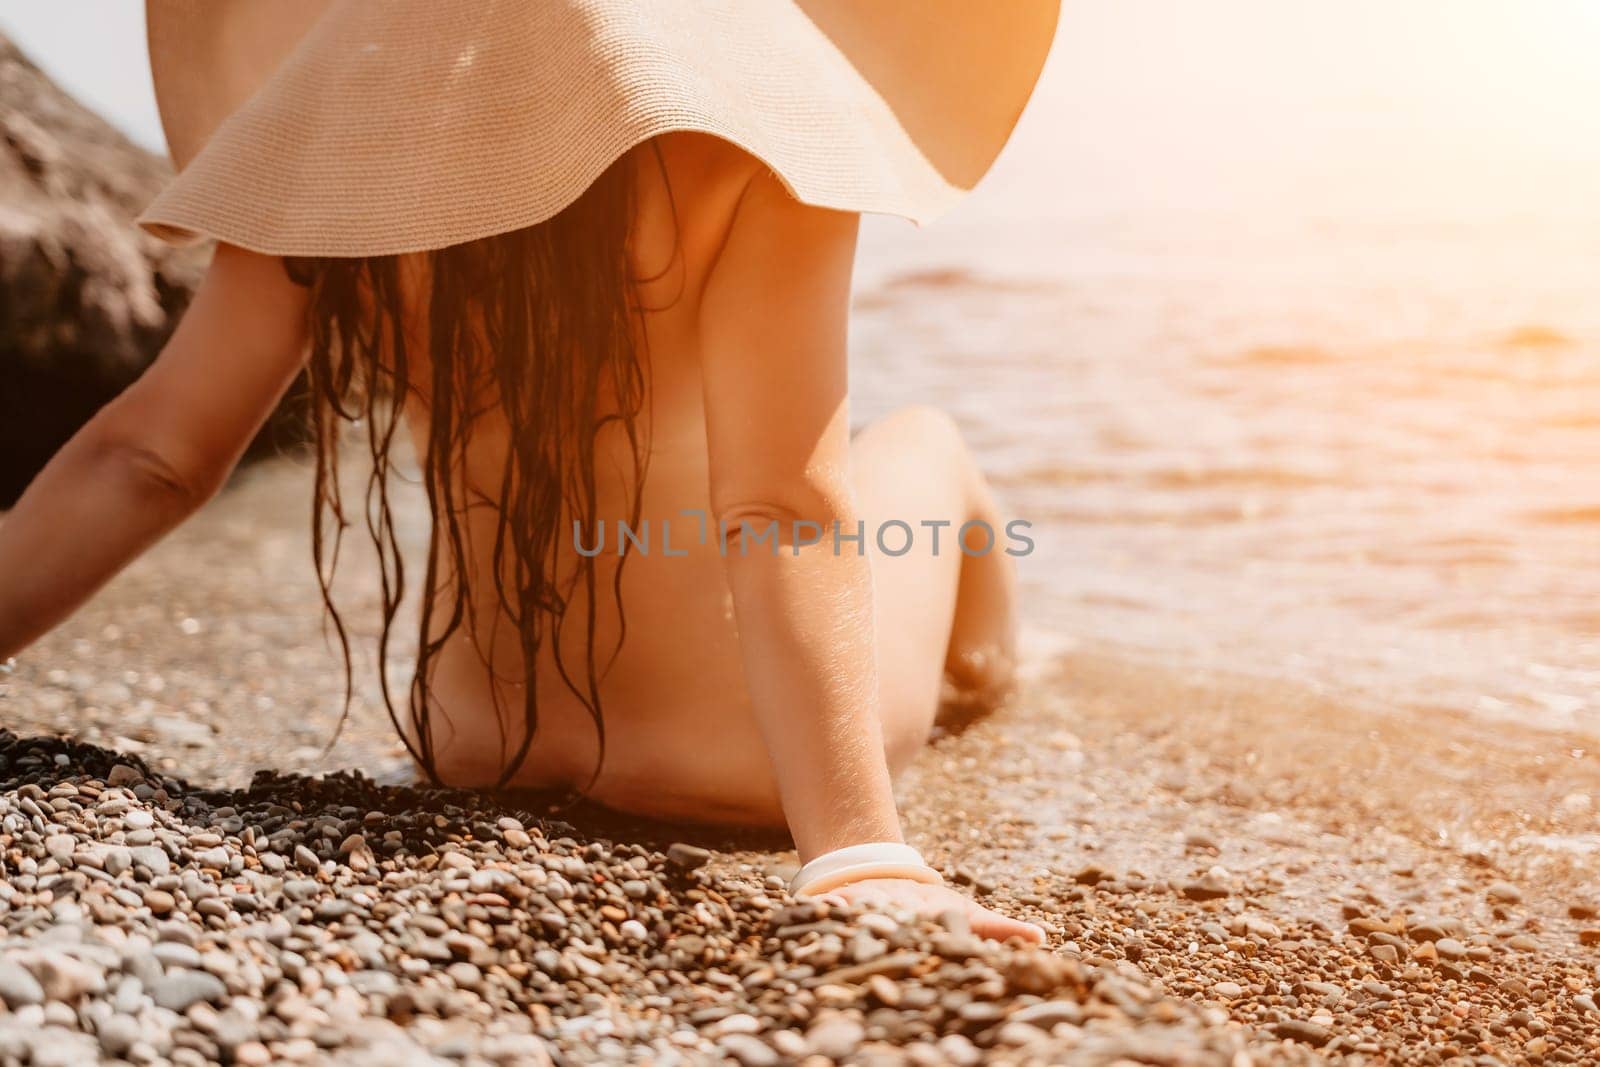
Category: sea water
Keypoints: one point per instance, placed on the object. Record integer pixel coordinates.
(1360, 455)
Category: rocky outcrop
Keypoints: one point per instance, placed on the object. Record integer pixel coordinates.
(86, 298)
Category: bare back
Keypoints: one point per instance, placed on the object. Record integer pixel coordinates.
(681, 651)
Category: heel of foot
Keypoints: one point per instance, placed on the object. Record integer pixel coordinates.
(976, 682)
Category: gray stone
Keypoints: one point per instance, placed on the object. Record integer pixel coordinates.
(176, 954)
(56, 1046)
(181, 990)
(836, 1037)
(18, 987)
(750, 1051)
(1047, 1014)
(153, 858)
(118, 1034)
(216, 858)
(299, 889)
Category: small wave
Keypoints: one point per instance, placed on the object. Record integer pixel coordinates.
(1458, 621)
(1536, 337)
(1462, 550)
(1234, 478)
(935, 278)
(1053, 474)
(1441, 552)
(1168, 478)
(1566, 516)
(959, 278)
(1283, 356)
(1157, 515)
(1575, 421)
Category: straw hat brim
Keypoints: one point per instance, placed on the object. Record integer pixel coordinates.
(369, 127)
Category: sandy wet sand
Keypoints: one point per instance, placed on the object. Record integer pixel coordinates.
(1294, 873)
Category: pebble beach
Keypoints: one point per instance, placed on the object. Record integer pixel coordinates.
(1231, 873)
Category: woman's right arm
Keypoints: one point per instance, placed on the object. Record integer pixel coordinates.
(773, 333)
(773, 353)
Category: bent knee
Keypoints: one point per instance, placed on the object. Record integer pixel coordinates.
(923, 424)
(925, 437)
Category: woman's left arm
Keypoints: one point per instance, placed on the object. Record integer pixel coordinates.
(157, 452)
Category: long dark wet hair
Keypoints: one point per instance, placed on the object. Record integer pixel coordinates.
(537, 325)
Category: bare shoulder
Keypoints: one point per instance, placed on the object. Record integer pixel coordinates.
(704, 158)
(689, 186)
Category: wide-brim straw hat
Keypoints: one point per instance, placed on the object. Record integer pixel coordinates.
(370, 127)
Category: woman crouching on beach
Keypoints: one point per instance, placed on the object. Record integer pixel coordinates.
(592, 259)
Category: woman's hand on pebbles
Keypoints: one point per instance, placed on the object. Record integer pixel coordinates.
(932, 901)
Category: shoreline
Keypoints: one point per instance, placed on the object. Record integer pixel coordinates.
(1196, 924)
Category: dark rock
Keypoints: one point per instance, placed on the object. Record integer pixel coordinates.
(1093, 874)
(88, 298)
(1208, 887)
(1040, 973)
(1296, 1030)
(1434, 929)
(687, 857)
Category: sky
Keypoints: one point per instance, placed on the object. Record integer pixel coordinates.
(1397, 108)
(1409, 106)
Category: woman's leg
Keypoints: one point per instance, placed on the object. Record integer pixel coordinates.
(940, 613)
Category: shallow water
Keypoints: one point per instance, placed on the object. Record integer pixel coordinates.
(1362, 457)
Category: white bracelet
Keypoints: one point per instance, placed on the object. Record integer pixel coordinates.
(856, 863)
